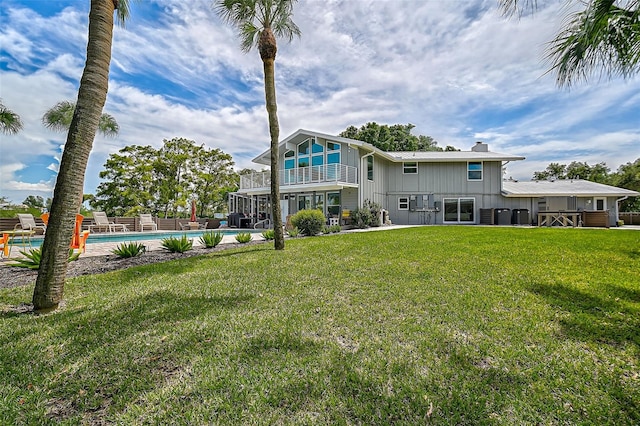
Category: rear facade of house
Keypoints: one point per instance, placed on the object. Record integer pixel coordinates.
(337, 175)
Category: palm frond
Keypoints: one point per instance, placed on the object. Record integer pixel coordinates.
(517, 7)
(602, 37)
(10, 122)
(58, 118)
(108, 125)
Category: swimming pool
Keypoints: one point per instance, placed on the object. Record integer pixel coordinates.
(122, 237)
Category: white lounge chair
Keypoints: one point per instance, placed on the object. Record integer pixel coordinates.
(28, 223)
(102, 222)
(146, 221)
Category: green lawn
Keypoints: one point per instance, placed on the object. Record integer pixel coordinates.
(433, 325)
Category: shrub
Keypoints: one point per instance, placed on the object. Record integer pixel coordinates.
(326, 229)
(33, 257)
(131, 249)
(366, 216)
(309, 222)
(269, 234)
(243, 237)
(335, 228)
(177, 245)
(361, 217)
(211, 239)
(293, 232)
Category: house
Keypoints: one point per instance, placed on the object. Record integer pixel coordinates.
(337, 175)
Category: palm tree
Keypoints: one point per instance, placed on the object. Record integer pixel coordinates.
(259, 22)
(59, 117)
(604, 36)
(67, 195)
(10, 122)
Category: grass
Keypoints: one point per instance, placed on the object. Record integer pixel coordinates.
(434, 325)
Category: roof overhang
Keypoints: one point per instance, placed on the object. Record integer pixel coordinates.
(309, 187)
(563, 188)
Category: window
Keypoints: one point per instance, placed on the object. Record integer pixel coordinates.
(333, 203)
(403, 203)
(410, 168)
(303, 148)
(459, 210)
(474, 170)
(370, 167)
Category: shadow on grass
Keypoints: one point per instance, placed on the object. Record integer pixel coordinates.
(98, 359)
(593, 318)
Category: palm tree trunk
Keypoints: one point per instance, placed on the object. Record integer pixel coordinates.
(67, 196)
(274, 131)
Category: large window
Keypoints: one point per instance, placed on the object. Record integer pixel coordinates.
(474, 170)
(410, 168)
(459, 210)
(370, 167)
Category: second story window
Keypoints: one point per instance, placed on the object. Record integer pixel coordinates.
(370, 167)
(474, 170)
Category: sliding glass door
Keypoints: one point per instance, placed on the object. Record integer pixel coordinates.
(459, 210)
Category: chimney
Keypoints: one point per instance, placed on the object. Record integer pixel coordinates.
(480, 147)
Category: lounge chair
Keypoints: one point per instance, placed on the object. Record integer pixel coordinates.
(28, 223)
(146, 221)
(102, 222)
(79, 240)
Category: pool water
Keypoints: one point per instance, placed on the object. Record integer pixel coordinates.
(122, 237)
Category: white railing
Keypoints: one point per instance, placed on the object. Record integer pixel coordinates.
(338, 173)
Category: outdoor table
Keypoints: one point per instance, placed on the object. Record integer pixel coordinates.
(10, 236)
(560, 217)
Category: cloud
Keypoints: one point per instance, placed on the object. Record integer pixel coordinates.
(459, 71)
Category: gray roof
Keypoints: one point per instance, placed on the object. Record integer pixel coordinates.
(563, 188)
(420, 156)
(452, 156)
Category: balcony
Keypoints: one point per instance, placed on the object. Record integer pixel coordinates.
(327, 174)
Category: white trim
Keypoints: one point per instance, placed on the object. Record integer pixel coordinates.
(481, 171)
(404, 167)
(444, 210)
(604, 202)
(406, 202)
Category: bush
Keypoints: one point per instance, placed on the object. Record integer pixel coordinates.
(269, 234)
(33, 257)
(326, 229)
(366, 216)
(361, 217)
(243, 237)
(177, 245)
(309, 222)
(131, 249)
(335, 228)
(293, 232)
(211, 239)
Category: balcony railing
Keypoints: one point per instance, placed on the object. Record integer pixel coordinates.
(327, 173)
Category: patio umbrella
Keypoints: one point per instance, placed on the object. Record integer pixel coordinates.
(193, 210)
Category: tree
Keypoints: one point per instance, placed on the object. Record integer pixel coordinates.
(628, 176)
(576, 170)
(397, 137)
(142, 179)
(67, 195)
(259, 22)
(604, 36)
(58, 118)
(128, 186)
(10, 122)
(36, 202)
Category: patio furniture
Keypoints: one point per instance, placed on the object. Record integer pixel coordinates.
(102, 222)
(146, 221)
(28, 223)
(79, 240)
(9, 239)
